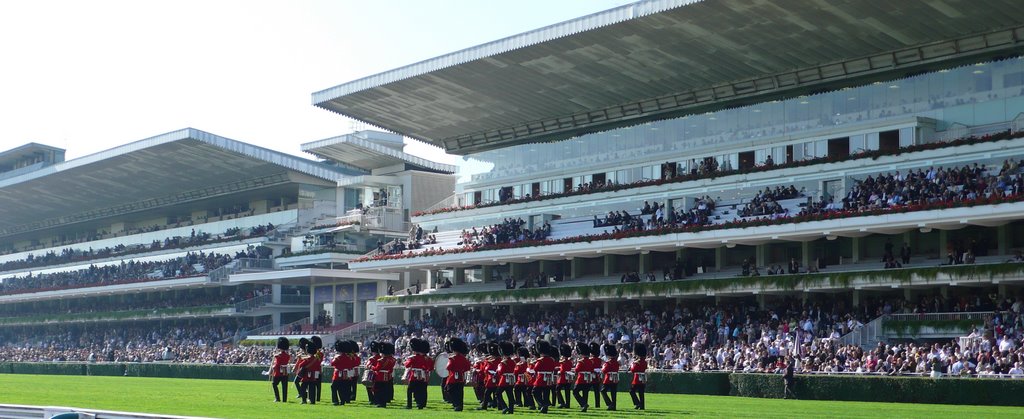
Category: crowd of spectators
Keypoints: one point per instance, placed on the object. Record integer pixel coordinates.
(509, 231)
(192, 341)
(72, 255)
(741, 337)
(654, 216)
(192, 264)
(918, 187)
(765, 203)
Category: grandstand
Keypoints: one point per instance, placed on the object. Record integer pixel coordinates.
(142, 243)
(729, 152)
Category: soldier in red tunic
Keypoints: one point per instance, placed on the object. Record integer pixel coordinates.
(371, 363)
(352, 379)
(544, 378)
(345, 364)
(564, 384)
(595, 379)
(583, 371)
(319, 354)
(309, 371)
(491, 377)
(417, 372)
(479, 373)
(458, 367)
(639, 370)
(383, 380)
(523, 390)
(610, 377)
(506, 378)
(279, 370)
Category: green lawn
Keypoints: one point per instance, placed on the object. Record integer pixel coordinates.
(253, 399)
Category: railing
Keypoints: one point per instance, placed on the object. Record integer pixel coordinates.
(222, 273)
(446, 202)
(294, 300)
(865, 336)
(354, 330)
(976, 315)
(253, 303)
(20, 411)
(286, 328)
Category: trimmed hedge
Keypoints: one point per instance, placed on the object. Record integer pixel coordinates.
(976, 391)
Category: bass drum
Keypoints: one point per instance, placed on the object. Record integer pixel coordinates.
(441, 365)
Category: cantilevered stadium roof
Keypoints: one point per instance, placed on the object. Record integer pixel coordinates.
(662, 58)
(170, 169)
(358, 149)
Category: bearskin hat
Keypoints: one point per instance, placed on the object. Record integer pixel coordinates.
(317, 343)
(583, 349)
(303, 343)
(506, 348)
(565, 350)
(375, 347)
(311, 348)
(639, 350)
(610, 350)
(283, 343)
(387, 349)
(340, 346)
(481, 348)
(493, 350)
(448, 345)
(595, 349)
(458, 346)
(524, 353)
(544, 348)
(352, 346)
(419, 345)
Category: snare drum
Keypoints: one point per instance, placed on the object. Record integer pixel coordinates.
(613, 377)
(641, 377)
(471, 377)
(368, 377)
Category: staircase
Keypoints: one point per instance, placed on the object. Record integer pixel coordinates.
(240, 265)
(866, 336)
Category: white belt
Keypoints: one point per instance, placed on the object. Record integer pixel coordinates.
(641, 377)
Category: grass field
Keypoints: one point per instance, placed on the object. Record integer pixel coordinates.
(253, 399)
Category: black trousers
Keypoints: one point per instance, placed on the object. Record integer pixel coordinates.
(637, 393)
(610, 392)
(383, 392)
(492, 397)
(508, 402)
(339, 391)
(480, 392)
(308, 391)
(581, 392)
(298, 386)
(444, 392)
(596, 387)
(281, 395)
(524, 396)
(562, 394)
(416, 390)
(353, 384)
(457, 395)
(319, 387)
(369, 394)
(540, 394)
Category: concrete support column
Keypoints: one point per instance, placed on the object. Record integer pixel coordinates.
(543, 266)
(275, 320)
(275, 293)
(943, 242)
(1002, 240)
(575, 268)
(761, 301)
(512, 309)
(607, 307)
(516, 270)
(759, 255)
(358, 308)
(805, 254)
(856, 298)
(855, 245)
(312, 307)
(431, 279)
(1003, 289)
(488, 273)
(908, 294)
(609, 265)
(406, 315)
(645, 264)
(459, 277)
(944, 291)
(719, 258)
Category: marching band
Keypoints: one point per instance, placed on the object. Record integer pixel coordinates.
(503, 375)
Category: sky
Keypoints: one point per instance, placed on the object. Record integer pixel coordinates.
(87, 76)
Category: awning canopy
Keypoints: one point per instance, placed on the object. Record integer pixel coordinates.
(663, 58)
(356, 150)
